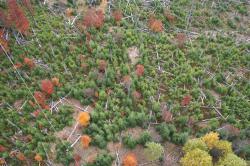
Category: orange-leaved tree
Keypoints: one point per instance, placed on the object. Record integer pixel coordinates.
(129, 160)
(83, 118)
(85, 140)
(155, 25)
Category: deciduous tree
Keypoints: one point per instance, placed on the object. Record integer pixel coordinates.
(129, 160)
(47, 86)
(83, 119)
(17, 16)
(85, 140)
(155, 25)
(93, 18)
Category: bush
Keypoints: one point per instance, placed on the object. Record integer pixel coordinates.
(193, 144)
(231, 160)
(153, 151)
(197, 157)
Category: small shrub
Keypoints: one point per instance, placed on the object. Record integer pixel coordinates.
(186, 100)
(102, 64)
(117, 14)
(181, 39)
(167, 116)
(139, 70)
(170, 17)
(136, 95)
(196, 157)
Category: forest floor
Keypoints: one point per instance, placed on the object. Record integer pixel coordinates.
(133, 66)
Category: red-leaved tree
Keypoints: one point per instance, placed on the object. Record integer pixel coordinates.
(47, 86)
(40, 98)
(17, 17)
(186, 100)
(93, 18)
